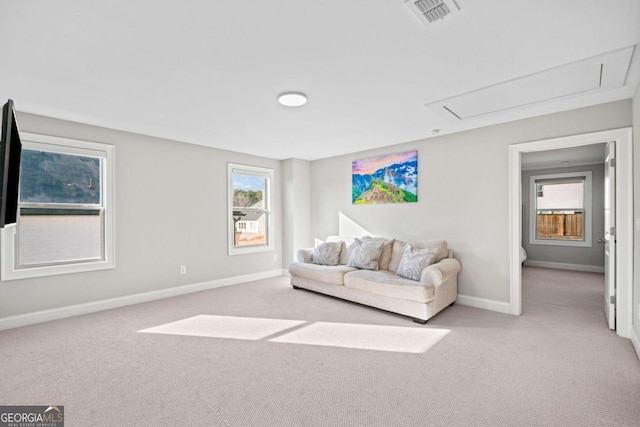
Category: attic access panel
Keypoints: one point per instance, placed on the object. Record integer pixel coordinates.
(603, 72)
(430, 11)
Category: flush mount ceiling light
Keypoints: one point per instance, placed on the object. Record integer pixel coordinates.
(292, 99)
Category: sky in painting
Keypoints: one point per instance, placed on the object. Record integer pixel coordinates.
(372, 164)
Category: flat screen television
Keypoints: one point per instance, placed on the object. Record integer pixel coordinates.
(10, 150)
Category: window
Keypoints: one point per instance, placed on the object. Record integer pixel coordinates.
(561, 209)
(65, 209)
(249, 209)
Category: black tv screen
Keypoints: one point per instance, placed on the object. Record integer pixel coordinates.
(10, 149)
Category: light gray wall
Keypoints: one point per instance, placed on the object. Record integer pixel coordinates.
(636, 210)
(296, 207)
(463, 192)
(593, 256)
(171, 209)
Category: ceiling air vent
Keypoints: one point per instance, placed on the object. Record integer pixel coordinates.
(429, 11)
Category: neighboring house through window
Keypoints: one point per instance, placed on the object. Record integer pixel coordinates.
(249, 209)
(65, 209)
(561, 209)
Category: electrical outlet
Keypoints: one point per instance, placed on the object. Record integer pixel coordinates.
(275, 257)
(183, 269)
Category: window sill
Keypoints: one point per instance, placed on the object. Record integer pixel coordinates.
(567, 243)
(250, 250)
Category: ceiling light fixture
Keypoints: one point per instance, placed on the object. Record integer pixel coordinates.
(292, 99)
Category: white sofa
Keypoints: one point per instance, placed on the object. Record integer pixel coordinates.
(436, 289)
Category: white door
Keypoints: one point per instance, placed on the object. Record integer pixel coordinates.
(610, 236)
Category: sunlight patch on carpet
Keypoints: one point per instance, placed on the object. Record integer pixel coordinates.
(345, 335)
(242, 328)
(365, 337)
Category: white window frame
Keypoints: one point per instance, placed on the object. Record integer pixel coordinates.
(587, 216)
(9, 236)
(258, 171)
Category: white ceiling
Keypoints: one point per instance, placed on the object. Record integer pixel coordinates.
(208, 72)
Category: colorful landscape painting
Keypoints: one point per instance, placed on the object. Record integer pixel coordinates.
(392, 178)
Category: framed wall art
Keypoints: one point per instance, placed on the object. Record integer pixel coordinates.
(391, 178)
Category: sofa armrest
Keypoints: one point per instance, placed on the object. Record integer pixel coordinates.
(439, 272)
(304, 255)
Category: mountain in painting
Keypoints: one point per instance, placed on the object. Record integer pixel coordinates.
(392, 184)
(359, 184)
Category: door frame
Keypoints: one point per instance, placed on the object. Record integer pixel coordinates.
(624, 215)
(610, 238)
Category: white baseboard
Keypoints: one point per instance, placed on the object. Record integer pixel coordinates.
(485, 304)
(636, 342)
(95, 306)
(565, 266)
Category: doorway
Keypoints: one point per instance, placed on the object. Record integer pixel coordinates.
(624, 215)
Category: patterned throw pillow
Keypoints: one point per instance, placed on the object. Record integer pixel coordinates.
(385, 256)
(365, 255)
(327, 253)
(414, 261)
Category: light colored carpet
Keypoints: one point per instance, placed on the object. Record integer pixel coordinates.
(556, 365)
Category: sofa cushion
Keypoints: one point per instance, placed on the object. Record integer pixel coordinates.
(414, 261)
(365, 254)
(347, 248)
(399, 246)
(333, 274)
(385, 256)
(327, 253)
(389, 284)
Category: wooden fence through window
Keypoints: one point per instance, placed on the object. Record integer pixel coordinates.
(560, 226)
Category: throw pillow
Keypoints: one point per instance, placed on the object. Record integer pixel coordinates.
(347, 242)
(385, 257)
(414, 261)
(344, 253)
(327, 253)
(399, 247)
(365, 255)
(439, 245)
